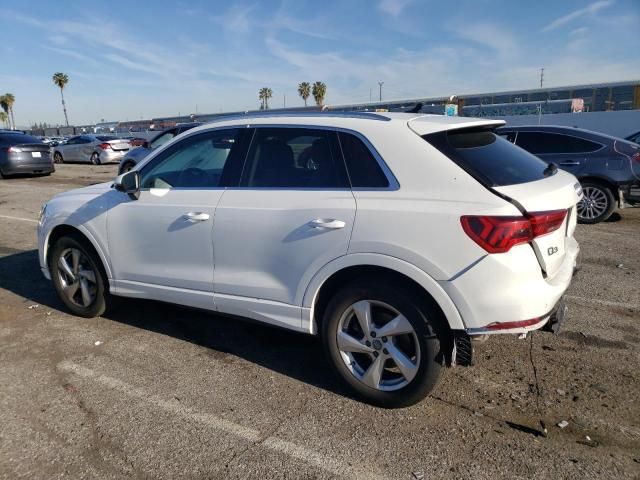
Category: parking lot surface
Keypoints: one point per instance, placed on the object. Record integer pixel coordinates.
(159, 391)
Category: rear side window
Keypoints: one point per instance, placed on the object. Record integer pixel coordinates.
(106, 138)
(294, 158)
(540, 143)
(17, 138)
(489, 158)
(364, 170)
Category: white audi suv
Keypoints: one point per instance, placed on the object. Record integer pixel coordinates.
(397, 238)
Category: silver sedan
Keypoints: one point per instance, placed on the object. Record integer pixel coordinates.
(94, 149)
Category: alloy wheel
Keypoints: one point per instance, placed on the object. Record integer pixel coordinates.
(77, 277)
(378, 345)
(593, 204)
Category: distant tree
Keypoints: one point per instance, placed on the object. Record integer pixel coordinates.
(8, 100)
(304, 90)
(319, 91)
(4, 118)
(264, 95)
(61, 80)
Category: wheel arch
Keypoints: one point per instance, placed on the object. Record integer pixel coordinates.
(348, 267)
(64, 229)
(613, 186)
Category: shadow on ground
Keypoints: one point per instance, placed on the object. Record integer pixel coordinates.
(293, 354)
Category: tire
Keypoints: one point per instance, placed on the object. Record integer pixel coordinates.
(127, 166)
(87, 270)
(602, 205)
(421, 347)
(95, 158)
(57, 158)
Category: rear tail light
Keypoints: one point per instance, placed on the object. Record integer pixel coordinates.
(14, 150)
(636, 157)
(498, 234)
(104, 146)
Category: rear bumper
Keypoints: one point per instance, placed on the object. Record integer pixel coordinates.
(508, 288)
(13, 168)
(107, 156)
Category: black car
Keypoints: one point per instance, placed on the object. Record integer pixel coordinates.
(608, 167)
(23, 154)
(136, 155)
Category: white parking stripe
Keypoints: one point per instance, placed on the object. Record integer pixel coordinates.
(605, 303)
(19, 218)
(328, 464)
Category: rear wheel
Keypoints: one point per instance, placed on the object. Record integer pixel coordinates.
(95, 158)
(57, 157)
(127, 166)
(380, 340)
(597, 204)
(78, 277)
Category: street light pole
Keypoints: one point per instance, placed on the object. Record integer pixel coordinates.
(380, 85)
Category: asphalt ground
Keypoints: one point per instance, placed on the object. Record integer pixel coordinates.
(170, 392)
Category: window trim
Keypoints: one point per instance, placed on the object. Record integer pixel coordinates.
(602, 146)
(391, 179)
(160, 155)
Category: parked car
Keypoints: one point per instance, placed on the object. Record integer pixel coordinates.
(635, 137)
(96, 149)
(397, 238)
(135, 155)
(23, 154)
(608, 167)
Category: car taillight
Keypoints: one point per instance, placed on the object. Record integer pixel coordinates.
(636, 157)
(511, 325)
(498, 234)
(104, 146)
(14, 150)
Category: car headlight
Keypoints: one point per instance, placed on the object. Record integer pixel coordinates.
(43, 211)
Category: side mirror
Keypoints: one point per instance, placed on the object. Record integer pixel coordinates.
(128, 183)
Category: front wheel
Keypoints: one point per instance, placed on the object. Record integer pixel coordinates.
(597, 204)
(127, 167)
(95, 158)
(380, 340)
(57, 158)
(78, 277)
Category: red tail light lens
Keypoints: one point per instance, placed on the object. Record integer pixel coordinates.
(636, 157)
(510, 325)
(498, 234)
(104, 146)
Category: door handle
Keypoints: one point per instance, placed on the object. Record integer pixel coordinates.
(196, 216)
(328, 223)
(570, 164)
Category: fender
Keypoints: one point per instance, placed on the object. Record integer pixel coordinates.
(374, 259)
(57, 221)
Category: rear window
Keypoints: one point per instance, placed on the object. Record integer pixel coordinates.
(541, 143)
(363, 168)
(489, 158)
(16, 138)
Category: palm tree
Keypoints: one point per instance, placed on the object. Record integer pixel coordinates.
(61, 80)
(304, 90)
(9, 100)
(4, 118)
(319, 91)
(5, 108)
(264, 95)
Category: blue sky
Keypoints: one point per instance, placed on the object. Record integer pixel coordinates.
(128, 60)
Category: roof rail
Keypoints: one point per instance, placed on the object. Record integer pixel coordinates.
(361, 115)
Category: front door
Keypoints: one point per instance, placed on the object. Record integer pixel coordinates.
(292, 214)
(161, 244)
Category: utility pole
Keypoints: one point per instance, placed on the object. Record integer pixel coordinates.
(541, 76)
(380, 85)
(370, 89)
(284, 100)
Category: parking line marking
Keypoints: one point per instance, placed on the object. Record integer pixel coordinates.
(328, 464)
(605, 303)
(19, 218)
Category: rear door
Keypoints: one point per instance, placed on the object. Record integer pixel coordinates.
(69, 150)
(531, 184)
(87, 145)
(292, 213)
(570, 153)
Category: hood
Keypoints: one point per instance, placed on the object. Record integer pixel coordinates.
(138, 153)
(96, 189)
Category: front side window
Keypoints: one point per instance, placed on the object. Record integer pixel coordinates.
(162, 139)
(364, 170)
(195, 162)
(294, 158)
